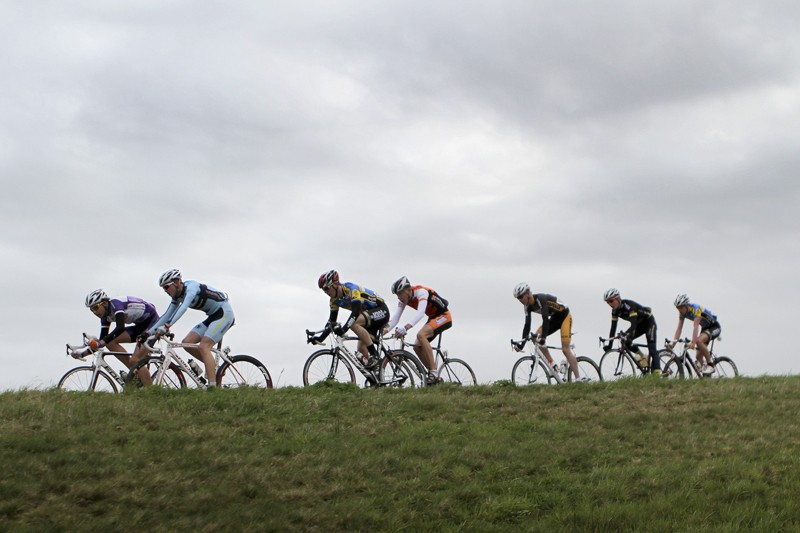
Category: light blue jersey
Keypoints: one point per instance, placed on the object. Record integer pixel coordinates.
(204, 298)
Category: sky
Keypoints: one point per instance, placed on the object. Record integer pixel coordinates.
(649, 146)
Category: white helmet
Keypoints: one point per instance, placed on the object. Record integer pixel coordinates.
(521, 289)
(400, 284)
(681, 299)
(95, 297)
(169, 276)
(610, 293)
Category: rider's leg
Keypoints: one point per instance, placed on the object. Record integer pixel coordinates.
(115, 346)
(702, 348)
(423, 348)
(203, 353)
(365, 345)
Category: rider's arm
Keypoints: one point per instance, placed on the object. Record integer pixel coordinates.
(119, 328)
(546, 312)
(613, 331)
(190, 293)
(695, 330)
(527, 328)
(422, 297)
(396, 316)
(678, 331)
(166, 317)
(355, 310)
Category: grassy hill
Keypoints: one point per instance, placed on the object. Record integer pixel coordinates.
(646, 455)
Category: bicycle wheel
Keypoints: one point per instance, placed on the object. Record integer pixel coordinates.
(400, 369)
(458, 372)
(527, 371)
(243, 371)
(673, 368)
(724, 367)
(83, 378)
(587, 368)
(326, 365)
(173, 378)
(617, 365)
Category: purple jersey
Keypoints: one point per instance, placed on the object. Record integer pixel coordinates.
(132, 310)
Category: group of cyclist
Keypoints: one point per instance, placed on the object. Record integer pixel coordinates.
(136, 320)
(556, 317)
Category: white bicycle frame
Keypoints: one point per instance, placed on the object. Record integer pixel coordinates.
(535, 350)
(171, 356)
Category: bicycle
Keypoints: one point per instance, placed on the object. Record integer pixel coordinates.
(396, 368)
(100, 376)
(232, 370)
(449, 369)
(684, 366)
(620, 362)
(534, 369)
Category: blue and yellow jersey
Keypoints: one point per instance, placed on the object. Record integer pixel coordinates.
(353, 293)
(706, 317)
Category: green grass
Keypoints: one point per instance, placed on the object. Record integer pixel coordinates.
(642, 455)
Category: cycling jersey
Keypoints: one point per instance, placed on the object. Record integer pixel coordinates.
(551, 309)
(632, 312)
(426, 301)
(707, 318)
(198, 296)
(358, 299)
(132, 310)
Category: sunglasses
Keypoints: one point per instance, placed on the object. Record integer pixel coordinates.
(167, 286)
(96, 306)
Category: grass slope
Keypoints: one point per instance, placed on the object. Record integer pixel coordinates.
(645, 455)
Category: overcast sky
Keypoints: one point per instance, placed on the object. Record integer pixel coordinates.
(649, 146)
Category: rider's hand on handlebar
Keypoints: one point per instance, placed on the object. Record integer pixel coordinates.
(399, 332)
(339, 331)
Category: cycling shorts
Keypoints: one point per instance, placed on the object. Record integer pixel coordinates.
(137, 329)
(376, 318)
(713, 330)
(439, 324)
(217, 324)
(565, 325)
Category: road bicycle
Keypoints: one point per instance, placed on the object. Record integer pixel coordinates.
(396, 368)
(232, 370)
(621, 362)
(100, 376)
(534, 369)
(448, 369)
(680, 366)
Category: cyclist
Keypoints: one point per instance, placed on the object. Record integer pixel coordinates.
(191, 294)
(368, 315)
(428, 303)
(642, 323)
(132, 310)
(555, 316)
(706, 328)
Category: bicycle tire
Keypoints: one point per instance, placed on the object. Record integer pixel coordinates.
(400, 369)
(173, 378)
(457, 372)
(243, 371)
(83, 379)
(326, 365)
(526, 372)
(616, 365)
(673, 369)
(724, 367)
(588, 368)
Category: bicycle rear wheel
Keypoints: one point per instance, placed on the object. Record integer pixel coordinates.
(724, 367)
(527, 371)
(327, 365)
(400, 369)
(617, 365)
(83, 378)
(587, 368)
(243, 371)
(458, 372)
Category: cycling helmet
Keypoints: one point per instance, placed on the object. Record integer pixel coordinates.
(95, 297)
(610, 293)
(400, 284)
(681, 299)
(169, 276)
(521, 289)
(327, 279)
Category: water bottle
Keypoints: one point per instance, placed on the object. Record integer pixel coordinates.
(195, 368)
(562, 368)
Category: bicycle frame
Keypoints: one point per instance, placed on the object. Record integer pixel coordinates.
(171, 357)
(535, 351)
(625, 355)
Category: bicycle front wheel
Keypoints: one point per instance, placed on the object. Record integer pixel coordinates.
(724, 367)
(527, 371)
(671, 365)
(587, 368)
(84, 378)
(243, 371)
(400, 369)
(458, 372)
(327, 365)
(172, 378)
(617, 365)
